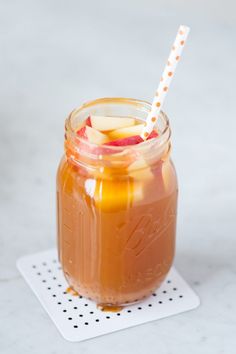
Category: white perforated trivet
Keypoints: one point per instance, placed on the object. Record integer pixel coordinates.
(78, 318)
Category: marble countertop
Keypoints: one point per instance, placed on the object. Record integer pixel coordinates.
(56, 55)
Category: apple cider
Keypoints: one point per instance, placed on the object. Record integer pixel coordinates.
(116, 202)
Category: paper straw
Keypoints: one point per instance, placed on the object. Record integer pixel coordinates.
(165, 81)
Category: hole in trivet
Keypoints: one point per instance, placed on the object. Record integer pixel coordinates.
(44, 263)
(54, 295)
(91, 312)
(54, 261)
(69, 318)
(80, 315)
(86, 323)
(75, 326)
(81, 297)
(164, 291)
(108, 317)
(75, 308)
(170, 299)
(174, 289)
(54, 278)
(85, 304)
(139, 308)
(168, 281)
(43, 281)
(49, 288)
(49, 271)
(59, 285)
(160, 302)
(118, 314)
(154, 294)
(150, 305)
(180, 296)
(129, 311)
(97, 320)
(38, 273)
(59, 303)
(70, 300)
(64, 292)
(64, 310)
(34, 266)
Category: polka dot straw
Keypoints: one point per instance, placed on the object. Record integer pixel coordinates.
(165, 80)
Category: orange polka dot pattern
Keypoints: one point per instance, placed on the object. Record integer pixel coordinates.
(167, 76)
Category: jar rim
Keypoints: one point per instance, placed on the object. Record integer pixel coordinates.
(141, 105)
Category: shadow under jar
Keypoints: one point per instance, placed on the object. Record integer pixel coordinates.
(117, 210)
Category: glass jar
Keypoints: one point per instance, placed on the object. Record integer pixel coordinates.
(116, 209)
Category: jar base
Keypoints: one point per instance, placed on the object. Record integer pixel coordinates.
(116, 305)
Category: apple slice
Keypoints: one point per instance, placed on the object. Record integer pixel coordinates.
(88, 122)
(105, 124)
(126, 132)
(82, 132)
(152, 135)
(166, 174)
(140, 170)
(96, 137)
(131, 140)
(82, 125)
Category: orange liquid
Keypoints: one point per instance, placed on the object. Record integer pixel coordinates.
(116, 236)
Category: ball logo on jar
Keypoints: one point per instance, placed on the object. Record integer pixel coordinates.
(148, 229)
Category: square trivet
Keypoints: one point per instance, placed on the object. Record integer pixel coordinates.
(78, 318)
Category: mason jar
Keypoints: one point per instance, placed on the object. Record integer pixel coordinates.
(116, 209)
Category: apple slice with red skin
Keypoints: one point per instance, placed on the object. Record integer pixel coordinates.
(131, 140)
(95, 136)
(153, 134)
(88, 122)
(126, 132)
(97, 149)
(82, 131)
(105, 124)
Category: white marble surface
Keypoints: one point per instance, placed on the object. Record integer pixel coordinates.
(57, 54)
